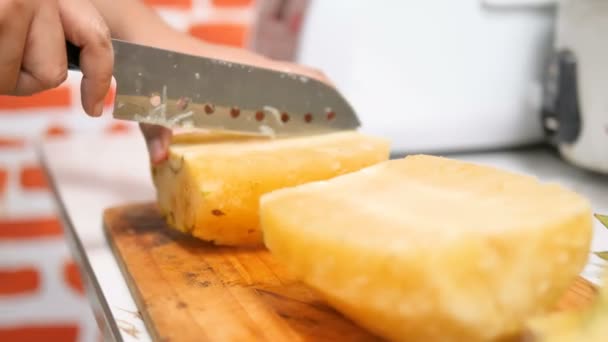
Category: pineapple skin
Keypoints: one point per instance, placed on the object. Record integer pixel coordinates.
(427, 291)
(211, 183)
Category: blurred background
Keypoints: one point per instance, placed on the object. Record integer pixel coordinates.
(432, 76)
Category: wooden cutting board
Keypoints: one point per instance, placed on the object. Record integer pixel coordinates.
(189, 290)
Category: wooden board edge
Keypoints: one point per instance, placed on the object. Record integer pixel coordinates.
(129, 280)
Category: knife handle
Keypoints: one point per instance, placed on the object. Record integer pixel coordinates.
(73, 53)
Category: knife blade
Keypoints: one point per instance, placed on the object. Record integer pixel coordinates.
(178, 90)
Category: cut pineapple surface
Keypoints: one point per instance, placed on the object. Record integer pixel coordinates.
(211, 184)
(584, 325)
(431, 249)
(587, 325)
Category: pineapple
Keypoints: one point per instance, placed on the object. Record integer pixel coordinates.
(588, 325)
(211, 183)
(431, 249)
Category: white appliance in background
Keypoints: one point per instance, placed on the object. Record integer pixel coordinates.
(436, 75)
(576, 96)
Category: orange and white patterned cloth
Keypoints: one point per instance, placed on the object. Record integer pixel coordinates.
(41, 295)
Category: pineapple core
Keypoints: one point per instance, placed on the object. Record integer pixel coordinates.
(431, 249)
(211, 184)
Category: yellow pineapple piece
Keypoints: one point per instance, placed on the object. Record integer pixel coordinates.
(211, 184)
(586, 325)
(431, 249)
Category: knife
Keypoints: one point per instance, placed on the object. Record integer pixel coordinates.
(178, 90)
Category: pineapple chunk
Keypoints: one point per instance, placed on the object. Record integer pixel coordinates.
(211, 184)
(431, 249)
(587, 325)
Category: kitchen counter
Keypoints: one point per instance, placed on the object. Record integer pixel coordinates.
(90, 174)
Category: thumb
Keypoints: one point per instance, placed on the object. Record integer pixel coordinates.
(157, 139)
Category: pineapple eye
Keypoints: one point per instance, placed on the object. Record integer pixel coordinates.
(217, 212)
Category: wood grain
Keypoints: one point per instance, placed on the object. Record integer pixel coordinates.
(188, 290)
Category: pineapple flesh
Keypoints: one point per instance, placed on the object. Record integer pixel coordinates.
(431, 249)
(211, 183)
(586, 325)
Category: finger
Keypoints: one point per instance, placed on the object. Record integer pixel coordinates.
(270, 8)
(157, 139)
(44, 63)
(84, 27)
(15, 18)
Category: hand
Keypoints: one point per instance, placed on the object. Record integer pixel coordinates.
(32, 48)
(158, 138)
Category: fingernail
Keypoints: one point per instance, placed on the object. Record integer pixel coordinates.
(157, 152)
(98, 109)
